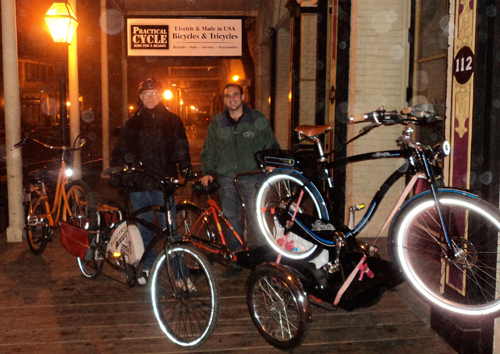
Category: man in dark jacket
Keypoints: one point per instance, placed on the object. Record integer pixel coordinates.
(155, 138)
(233, 138)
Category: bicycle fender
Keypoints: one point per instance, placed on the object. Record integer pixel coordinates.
(425, 193)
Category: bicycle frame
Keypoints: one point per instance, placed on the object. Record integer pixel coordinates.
(416, 162)
(211, 246)
(54, 213)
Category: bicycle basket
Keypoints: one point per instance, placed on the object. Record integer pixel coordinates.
(74, 239)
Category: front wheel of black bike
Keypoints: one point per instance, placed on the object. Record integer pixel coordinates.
(275, 306)
(465, 279)
(185, 303)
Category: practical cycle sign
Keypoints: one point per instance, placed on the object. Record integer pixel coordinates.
(183, 37)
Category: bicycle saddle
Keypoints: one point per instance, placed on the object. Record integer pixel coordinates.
(41, 174)
(200, 189)
(312, 130)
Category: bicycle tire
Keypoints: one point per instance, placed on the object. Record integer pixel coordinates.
(37, 229)
(83, 207)
(82, 204)
(186, 315)
(91, 266)
(464, 281)
(274, 304)
(276, 191)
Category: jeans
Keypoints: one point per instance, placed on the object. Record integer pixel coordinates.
(231, 206)
(147, 198)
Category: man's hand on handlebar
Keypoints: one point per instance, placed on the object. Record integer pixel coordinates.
(205, 180)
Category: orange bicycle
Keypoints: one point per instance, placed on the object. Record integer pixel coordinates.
(72, 202)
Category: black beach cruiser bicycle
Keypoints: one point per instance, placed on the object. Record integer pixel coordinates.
(443, 241)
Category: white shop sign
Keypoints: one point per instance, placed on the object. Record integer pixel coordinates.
(183, 37)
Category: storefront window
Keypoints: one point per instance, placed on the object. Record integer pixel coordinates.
(428, 80)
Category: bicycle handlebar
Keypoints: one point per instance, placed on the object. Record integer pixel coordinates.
(171, 181)
(83, 142)
(381, 116)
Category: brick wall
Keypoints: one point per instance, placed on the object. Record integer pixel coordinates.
(308, 69)
(379, 70)
(282, 111)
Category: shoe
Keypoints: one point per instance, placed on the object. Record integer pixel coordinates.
(89, 254)
(232, 271)
(143, 279)
(188, 285)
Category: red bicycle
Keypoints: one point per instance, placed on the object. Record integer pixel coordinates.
(203, 227)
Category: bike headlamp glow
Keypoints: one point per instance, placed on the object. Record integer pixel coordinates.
(446, 148)
(69, 172)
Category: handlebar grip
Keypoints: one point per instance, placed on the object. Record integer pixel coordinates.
(357, 118)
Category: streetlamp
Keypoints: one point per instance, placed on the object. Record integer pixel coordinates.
(62, 23)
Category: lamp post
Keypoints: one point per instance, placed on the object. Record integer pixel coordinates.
(62, 23)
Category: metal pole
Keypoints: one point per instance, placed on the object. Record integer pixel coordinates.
(12, 122)
(74, 113)
(104, 88)
(62, 104)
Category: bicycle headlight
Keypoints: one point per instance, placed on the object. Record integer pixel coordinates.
(69, 172)
(446, 148)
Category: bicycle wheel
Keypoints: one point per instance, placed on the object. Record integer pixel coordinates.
(92, 263)
(82, 205)
(186, 304)
(464, 280)
(280, 191)
(187, 215)
(276, 309)
(38, 230)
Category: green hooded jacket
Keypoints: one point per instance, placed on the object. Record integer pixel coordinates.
(230, 145)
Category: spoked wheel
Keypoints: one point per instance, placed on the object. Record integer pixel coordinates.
(38, 231)
(278, 194)
(188, 225)
(464, 280)
(82, 206)
(278, 308)
(93, 262)
(185, 303)
(187, 215)
(130, 274)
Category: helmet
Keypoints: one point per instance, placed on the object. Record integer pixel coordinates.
(150, 84)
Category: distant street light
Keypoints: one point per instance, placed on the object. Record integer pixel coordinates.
(167, 94)
(62, 24)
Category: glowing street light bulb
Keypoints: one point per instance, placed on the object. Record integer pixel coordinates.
(167, 94)
(62, 22)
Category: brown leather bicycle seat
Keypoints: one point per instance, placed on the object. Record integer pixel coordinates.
(312, 130)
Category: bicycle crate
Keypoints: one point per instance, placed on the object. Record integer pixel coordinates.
(74, 239)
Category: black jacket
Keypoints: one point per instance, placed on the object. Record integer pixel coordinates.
(157, 139)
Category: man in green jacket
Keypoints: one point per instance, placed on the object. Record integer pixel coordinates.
(233, 137)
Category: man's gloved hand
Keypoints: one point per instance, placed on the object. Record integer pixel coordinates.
(188, 173)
